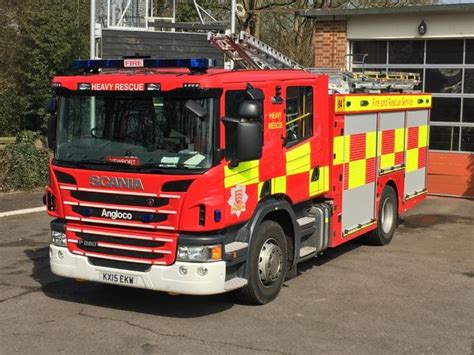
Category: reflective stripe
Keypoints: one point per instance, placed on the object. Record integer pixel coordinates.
(399, 140)
(412, 159)
(298, 160)
(279, 185)
(366, 103)
(357, 176)
(245, 173)
(370, 144)
(387, 160)
(422, 136)
(322, 184)
(338, 150)
(347, 149)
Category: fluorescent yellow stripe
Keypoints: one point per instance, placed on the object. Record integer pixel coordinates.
(356, 173)
(374, 103)
(347, 148)
(411, 160)
(322, 184)
(244, 174)
(387, 160)
(370, 144)
(338, 147)
(279, 185)
(326, 178)
(298, 160)
(399, 140)
(422, 136)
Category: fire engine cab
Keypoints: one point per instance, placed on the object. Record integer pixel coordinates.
(172, 175)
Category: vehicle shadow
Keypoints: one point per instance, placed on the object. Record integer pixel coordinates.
(122, 298)
(328, 256)
(145, 301)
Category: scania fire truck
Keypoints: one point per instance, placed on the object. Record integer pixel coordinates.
(175, 176)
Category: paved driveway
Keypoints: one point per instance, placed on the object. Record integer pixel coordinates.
(415, 295)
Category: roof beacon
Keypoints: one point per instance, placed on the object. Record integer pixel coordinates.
(193, 64)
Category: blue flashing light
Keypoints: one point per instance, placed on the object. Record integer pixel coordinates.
(147, 218)
(87, 212)
(217, 215)
(193, 63)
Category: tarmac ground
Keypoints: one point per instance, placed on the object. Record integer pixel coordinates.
(415, 295)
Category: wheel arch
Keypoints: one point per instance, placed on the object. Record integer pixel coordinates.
(280, 211)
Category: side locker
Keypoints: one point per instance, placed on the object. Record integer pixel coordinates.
(360, 147)
(416, 152)
(391, 141)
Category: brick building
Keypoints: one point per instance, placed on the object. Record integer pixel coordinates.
(436, 41)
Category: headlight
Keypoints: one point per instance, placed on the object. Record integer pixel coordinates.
(58, 238)
(199, 253)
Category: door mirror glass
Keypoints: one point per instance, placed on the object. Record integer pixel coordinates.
(243, 140)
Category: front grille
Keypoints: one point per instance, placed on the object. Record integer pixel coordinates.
(120, 240)
(123, 265)
(145, 217)
(130, 200)
(120, 252)
(120, 229)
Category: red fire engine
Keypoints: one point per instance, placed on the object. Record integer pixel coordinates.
(170, 175)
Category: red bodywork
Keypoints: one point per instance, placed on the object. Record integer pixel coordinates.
(182, 209)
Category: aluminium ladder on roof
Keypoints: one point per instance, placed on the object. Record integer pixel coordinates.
(248, 52)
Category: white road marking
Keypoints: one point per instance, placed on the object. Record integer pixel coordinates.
(23, 211)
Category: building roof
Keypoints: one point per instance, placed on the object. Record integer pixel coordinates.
(420, 9)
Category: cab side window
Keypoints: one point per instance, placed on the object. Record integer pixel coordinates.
(299, 114)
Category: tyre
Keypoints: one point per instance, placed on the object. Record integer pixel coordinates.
(387, 219)
(267, 265)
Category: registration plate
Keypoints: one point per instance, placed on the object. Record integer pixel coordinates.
(116, 278)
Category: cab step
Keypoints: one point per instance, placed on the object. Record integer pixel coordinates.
(235, 246)
(306, 221)
(235, 283)
(305, 251)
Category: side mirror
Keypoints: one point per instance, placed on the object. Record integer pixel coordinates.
(52, 125)
(255, 94)
(250, 109)
(51, 105)
(243, 140)
(197, 109)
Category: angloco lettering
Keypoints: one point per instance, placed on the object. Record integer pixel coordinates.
(116, 214)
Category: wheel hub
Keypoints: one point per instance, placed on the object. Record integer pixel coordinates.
(387, 216)
(270, 262)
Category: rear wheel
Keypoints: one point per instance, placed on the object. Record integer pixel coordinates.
(267, 265)
(387, 219)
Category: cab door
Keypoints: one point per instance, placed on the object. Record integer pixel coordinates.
(307, 174)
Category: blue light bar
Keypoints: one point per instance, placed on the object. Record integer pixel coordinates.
(192, 64)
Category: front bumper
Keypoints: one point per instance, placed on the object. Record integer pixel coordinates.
(158, 277)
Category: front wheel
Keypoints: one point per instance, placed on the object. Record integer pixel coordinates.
(387, 220)
(267, 264)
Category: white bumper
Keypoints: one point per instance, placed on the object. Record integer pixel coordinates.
(159, 278)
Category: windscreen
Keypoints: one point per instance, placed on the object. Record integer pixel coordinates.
(143, 132)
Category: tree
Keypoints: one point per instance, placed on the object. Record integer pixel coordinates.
(278, 23)
(39, 38)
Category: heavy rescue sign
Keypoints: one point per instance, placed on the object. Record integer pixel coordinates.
(118, 87)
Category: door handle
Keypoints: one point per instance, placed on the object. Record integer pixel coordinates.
(315, 174)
